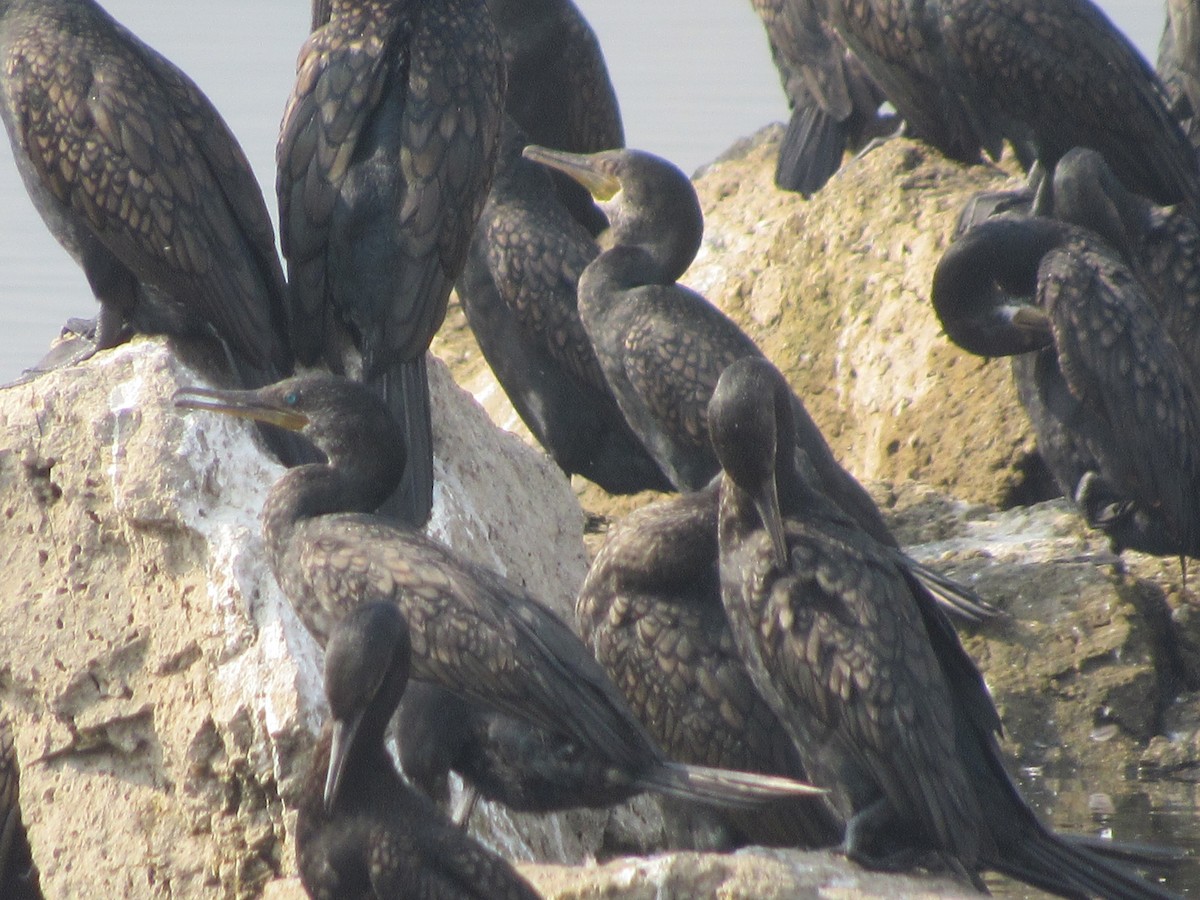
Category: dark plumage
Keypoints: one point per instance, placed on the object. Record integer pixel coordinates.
(559, 92)
(473, 632)
(650, 609)
(866, 672)
(385, 156)
(518, 293)
(662, 346)
(1048, 75)
(19, 878)
(361, 832)
(1116, 408)
(139, 178)
(834, 102)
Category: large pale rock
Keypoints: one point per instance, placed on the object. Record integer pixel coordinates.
(163, 692)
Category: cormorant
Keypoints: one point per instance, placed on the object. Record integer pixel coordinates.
(139, 178)
(518, 293)
(360, 830)
(1161, 245)
(385, 157)
(473, 632)
(559, 91)
(866, 672)
(650, 610)
(19, 878)
(834, 102)
(1048, 75)
(662, 346)
(1119, 397)
(1178, 64)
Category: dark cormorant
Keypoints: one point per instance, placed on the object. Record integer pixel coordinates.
(1048, 75)
(1178, 64)
(559, 92)
(139, 178)
(473, 632)
(1119, 395)
(650, 609)
(518, 292)
(361, 832)
(866, 672)
(385, 157)
(834, 102)
(662, 346)
(18, 875)
(1160, 244)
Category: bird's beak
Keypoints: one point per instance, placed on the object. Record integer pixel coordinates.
(766, 502)
(583, 167)
(339, 753)
(243, 404)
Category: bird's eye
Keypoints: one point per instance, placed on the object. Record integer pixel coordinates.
(292, 398)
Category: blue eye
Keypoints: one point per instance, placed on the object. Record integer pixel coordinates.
(292, 398)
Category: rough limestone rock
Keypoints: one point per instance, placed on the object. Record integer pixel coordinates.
(164, 696)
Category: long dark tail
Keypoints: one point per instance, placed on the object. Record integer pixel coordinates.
(722, 787)
(811, 150)
(953, 596)
(406, 392)
(1072, 869)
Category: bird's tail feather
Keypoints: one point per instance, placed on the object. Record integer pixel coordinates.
(811, 150)
(722, 787)
(1071, 869)
(955, 597)
(406, 392)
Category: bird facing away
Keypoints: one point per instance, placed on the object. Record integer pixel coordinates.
(518, 291)
(834, 102)
(385, 156)
(473, 632)
(650, 610)
(559, 91)
(1117, 413)
(361, 832)
(662, 346)
(139, 178)
(1047, 75)
(867, 674)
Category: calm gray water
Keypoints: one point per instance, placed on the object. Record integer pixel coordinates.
(692, 78)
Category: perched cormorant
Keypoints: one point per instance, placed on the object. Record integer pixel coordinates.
(139, 178)
(1178, 64)
(18, 875)
(1118, 394)
(1160, 244)
(866, 672)
(650, 609)
(473, 632)
(559, 92)
(361, 832)
(385, 157)
(518, 293)
(834, 102)
(662, 346)
(1048, 75)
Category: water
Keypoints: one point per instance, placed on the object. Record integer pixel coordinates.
(692, 78)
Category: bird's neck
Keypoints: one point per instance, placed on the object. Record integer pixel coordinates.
(307, 492)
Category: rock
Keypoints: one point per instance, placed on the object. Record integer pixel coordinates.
(161, 688)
